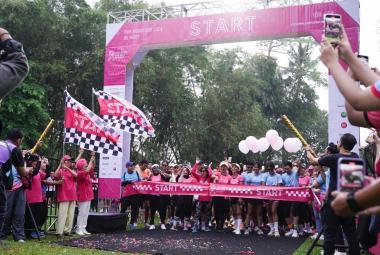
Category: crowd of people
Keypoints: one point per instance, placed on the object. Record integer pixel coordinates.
(24, 177)
(240, 215)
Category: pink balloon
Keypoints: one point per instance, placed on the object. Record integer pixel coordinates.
(251, 142)
(263, 144)
(278, 145)
(272, 136)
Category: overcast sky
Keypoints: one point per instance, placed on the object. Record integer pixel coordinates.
(369, 38)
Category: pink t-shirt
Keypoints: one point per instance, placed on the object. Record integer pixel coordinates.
(84, 186)
(237, 180)
(156, 178)
(34, 195)
(189, 180)
(304, 181)
(223, 179)
(66, 191)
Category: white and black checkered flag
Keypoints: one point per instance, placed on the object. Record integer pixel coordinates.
(122, 115)
(89, 131)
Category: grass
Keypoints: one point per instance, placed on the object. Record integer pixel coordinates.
(47, 246)
(305, 246)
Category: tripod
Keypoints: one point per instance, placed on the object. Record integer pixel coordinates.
(33, 221)
(315, 243)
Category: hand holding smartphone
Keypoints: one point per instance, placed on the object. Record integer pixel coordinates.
(350, 174)
(332, 27)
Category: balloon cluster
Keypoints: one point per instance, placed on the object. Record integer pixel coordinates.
(272, 139)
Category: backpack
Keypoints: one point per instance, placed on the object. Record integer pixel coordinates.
(6, 171)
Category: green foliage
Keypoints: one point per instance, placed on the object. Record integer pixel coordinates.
(201, 102)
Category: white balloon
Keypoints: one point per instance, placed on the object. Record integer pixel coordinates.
(272, 136)
(288, 145)
(298, 144)
(251, 142)
(263, 144)
(243, 147)
(278, 145)
(256, 149)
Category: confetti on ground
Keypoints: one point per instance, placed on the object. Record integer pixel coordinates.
(182, 242)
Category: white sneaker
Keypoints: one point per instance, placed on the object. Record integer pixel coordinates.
(339, 253)
(322, 237)
(295, 234)
(289, 233)
(256, 229)
(79, 233)
(276, 233)
(271, 232)
(21, 241)
(86, 233)
(203, 228)
(260, 232)
(237, 232)
(313, 237)
(246, 231)
(163, 227)
(151, 227)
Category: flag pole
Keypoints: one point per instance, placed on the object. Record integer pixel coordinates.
(93, 100)
(42, 136)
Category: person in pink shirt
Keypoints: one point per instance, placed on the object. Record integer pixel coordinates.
(303, 207)
(236, 179)
(184, 203)
(202, 215)
(66, 196)
(34, 197)
(221, 204)
(157, 202)
(85, 193)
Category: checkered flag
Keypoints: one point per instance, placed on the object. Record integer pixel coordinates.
(89, 131)
(122, 115)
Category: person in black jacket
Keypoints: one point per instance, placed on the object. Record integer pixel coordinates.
(13, 63)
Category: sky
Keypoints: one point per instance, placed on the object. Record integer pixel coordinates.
(369, 40)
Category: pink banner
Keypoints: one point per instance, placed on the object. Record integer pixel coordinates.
(299, 194)
(292, 21)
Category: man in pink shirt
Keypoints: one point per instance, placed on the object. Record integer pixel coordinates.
(66, 196)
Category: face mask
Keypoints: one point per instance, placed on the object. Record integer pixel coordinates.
(295, 168)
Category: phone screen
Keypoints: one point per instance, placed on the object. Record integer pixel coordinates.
(333, 28)
(364, 59)
(350, 174)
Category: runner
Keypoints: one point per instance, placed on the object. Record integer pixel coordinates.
(236, 203)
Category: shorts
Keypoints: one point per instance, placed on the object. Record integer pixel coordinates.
(286, 208)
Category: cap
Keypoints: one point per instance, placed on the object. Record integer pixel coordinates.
(237, 165)
(129, 164)
(155, 166)
(223, 163)
(80, 164)
(66, 157)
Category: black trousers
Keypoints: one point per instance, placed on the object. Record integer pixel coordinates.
(184, 207)
(332, 224)
(134, 202)
(158, 203)
(3, 205)
(221, 206)
(40, 211)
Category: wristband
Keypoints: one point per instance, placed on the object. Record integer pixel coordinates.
(352, 203)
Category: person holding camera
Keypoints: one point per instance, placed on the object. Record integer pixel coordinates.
(13, 63)
(12, 194)
(333, 222)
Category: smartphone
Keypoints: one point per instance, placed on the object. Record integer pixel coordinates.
(333, 29)
(364, 59)
(350, 174)
(229, 159)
